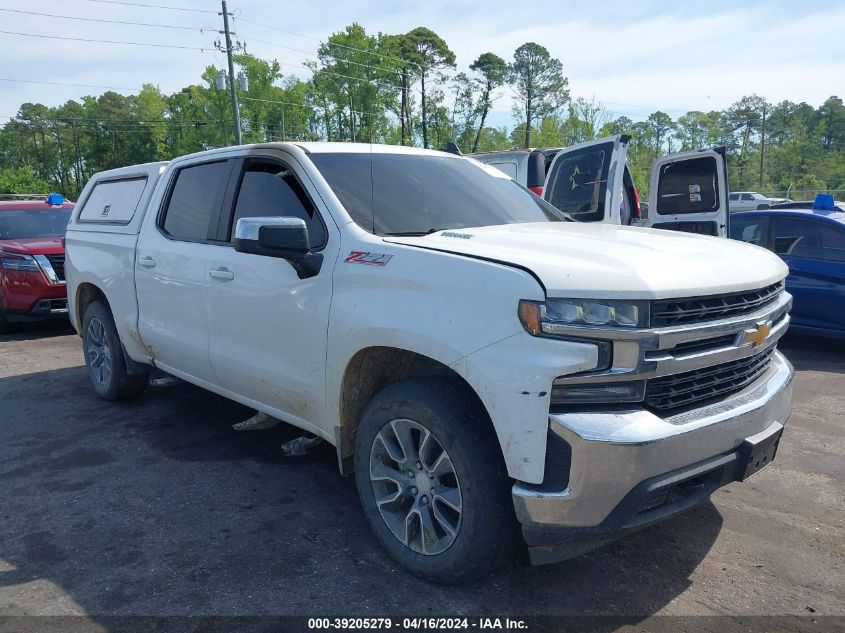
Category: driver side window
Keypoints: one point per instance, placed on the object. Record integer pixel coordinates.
(270, 189)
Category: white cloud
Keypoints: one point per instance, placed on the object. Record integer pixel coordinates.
(633, 58)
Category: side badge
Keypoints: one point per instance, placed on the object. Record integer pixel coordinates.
(370, 259)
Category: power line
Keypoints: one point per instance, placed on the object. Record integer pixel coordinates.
(315, 39)
(73, 17)
(333, 74)
(83, 39)
(60, 83)
(336, 59)
(153, 6)
(306, 106)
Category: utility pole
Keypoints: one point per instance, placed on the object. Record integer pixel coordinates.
(762, 145)
(236, 114)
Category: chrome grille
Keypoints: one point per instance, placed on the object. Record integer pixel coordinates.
(692, 387)
(699, 309)
(58, 264)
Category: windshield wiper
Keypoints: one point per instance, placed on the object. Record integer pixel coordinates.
(412, 233)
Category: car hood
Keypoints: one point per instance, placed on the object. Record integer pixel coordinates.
(606, 261)
(33, 246)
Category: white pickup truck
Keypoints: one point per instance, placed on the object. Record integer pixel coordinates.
(482, 364)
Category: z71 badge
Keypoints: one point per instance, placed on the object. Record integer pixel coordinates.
(370, 259)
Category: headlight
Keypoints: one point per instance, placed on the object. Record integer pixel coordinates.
(556, 316)
(21, 263)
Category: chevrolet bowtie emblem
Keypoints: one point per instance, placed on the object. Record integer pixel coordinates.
(757, 336)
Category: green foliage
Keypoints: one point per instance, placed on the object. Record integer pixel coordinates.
(492, 74)
(22, 180)
(538, 80)
(429, 52)
(394, 88)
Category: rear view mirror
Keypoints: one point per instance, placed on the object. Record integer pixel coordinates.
(282, 237)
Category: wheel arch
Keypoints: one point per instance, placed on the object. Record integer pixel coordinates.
(86, 294)
(369, 371)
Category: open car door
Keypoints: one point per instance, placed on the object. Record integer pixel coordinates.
(586, 180)
(689, 192)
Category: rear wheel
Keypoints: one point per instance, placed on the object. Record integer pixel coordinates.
(432, 481)
(104, 356)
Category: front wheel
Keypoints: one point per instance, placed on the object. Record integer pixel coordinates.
(432, 481)
(104, 356)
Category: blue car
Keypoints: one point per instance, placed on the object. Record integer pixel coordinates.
(811, 241)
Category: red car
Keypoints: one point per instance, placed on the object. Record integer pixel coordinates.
(32, 259)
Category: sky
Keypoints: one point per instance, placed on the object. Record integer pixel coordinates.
(631, 57)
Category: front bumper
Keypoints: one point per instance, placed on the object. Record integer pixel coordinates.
(43, 310)
(620, 458)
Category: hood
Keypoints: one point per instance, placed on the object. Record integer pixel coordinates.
(591, 260)
(34, 246)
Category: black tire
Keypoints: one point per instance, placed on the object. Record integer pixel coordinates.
(4, 324)
(107, 369)
(487, 533)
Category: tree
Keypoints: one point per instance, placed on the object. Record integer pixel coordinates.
(622, 125)
(22, 180)
(660, 126)
(428, 51)
(539, 83)
(745, 117)
(832, 120)
(493, 71)
(359, 78)
(586, 118)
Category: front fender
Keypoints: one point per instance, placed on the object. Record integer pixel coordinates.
(514, 378)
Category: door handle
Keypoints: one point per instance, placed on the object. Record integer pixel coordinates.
(223, 274)
(146, 262)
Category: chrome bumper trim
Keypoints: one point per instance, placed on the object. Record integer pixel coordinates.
(613, 451)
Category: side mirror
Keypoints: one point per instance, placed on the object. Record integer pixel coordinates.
(282, 237)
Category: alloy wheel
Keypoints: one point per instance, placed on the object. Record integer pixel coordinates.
(98, 352)
(415, 486)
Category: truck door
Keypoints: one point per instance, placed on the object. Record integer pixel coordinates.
(171, 268)
(586, 180)
(689, 192)
(268, 328)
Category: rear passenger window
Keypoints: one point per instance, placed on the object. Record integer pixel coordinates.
(750, 230)
(113, 201)
(810, 239)
(270, 189)
(194, 200)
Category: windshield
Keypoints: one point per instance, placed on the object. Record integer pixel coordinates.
(18, 224)
(407, 194)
